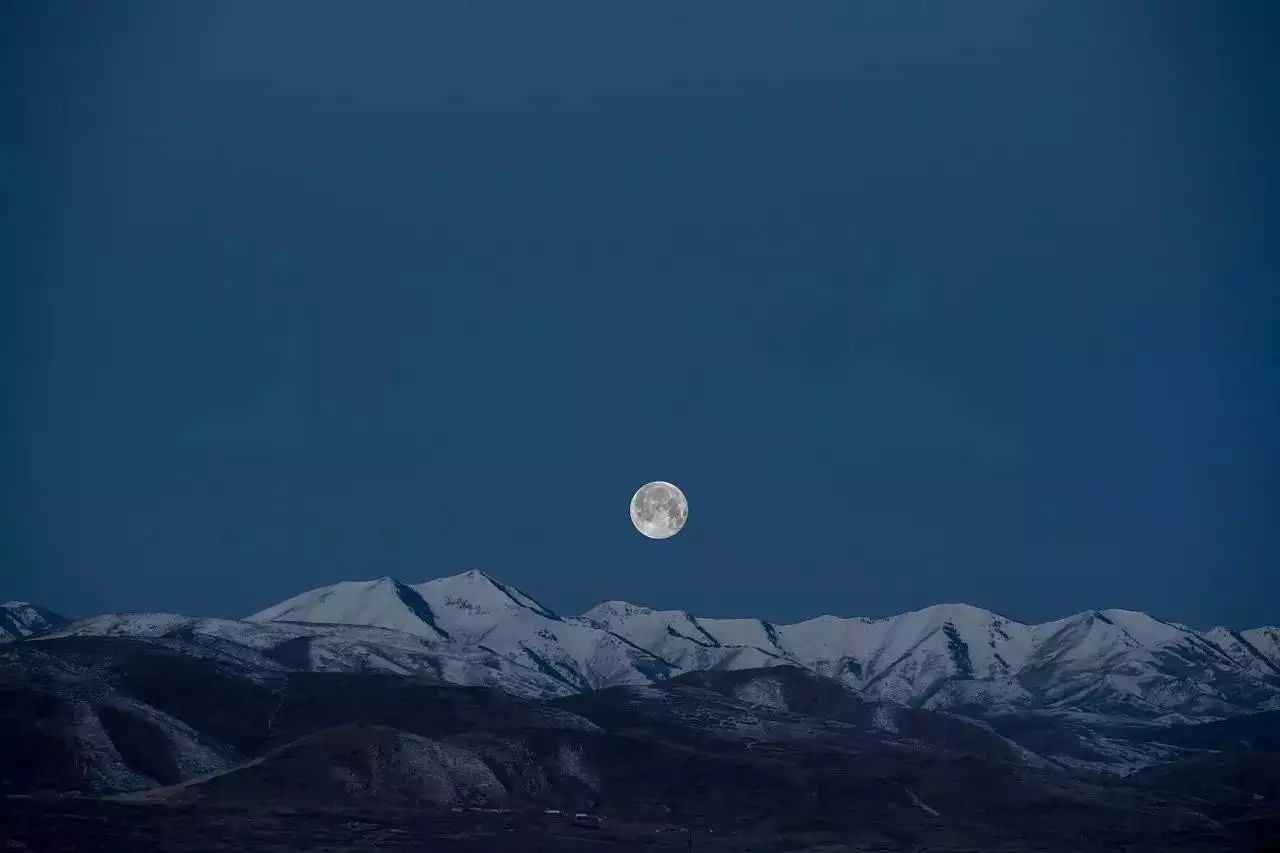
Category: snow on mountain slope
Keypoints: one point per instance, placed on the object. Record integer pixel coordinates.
(258, 648)
(1120, 661)
(124, 625)
(21, 619)
(383, 603)
(473, 600)
(681, 639)
(1102, 634)
(1266, 641)
(475, 608)
(906, 657)
(472, 610)
(473, 629)
(897, 658)
(955, 655)
(1256, 651)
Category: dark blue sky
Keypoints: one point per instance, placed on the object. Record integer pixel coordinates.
(918, 302)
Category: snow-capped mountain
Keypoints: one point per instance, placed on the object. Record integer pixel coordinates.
(1110, 691)
(473, 629)
(1257, 650)
(382, 603)
(1115, 662)
(685, 640)
(21, 619)
(956, 655)
(473, 610)
(259, 649)
(477, 609)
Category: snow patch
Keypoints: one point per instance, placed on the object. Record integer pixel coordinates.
(920, 804)
(762, 691)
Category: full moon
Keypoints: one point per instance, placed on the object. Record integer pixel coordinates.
(659, 510)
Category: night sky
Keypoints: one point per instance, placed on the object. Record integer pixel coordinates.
(918, 303)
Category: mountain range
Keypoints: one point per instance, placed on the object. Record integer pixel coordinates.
(472, 628)
(465, 691)
(1115, 662)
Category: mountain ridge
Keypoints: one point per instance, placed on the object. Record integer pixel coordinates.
(1069, 691)
(22, 619)
(1113, 661)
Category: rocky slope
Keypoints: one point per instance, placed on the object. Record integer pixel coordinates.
(778, 754)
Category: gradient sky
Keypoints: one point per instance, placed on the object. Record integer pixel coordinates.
(918, 302)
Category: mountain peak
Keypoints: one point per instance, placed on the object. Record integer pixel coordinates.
(614, 608)
(958, 609)
(478, 591)
(22, 619)
(383, 603)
